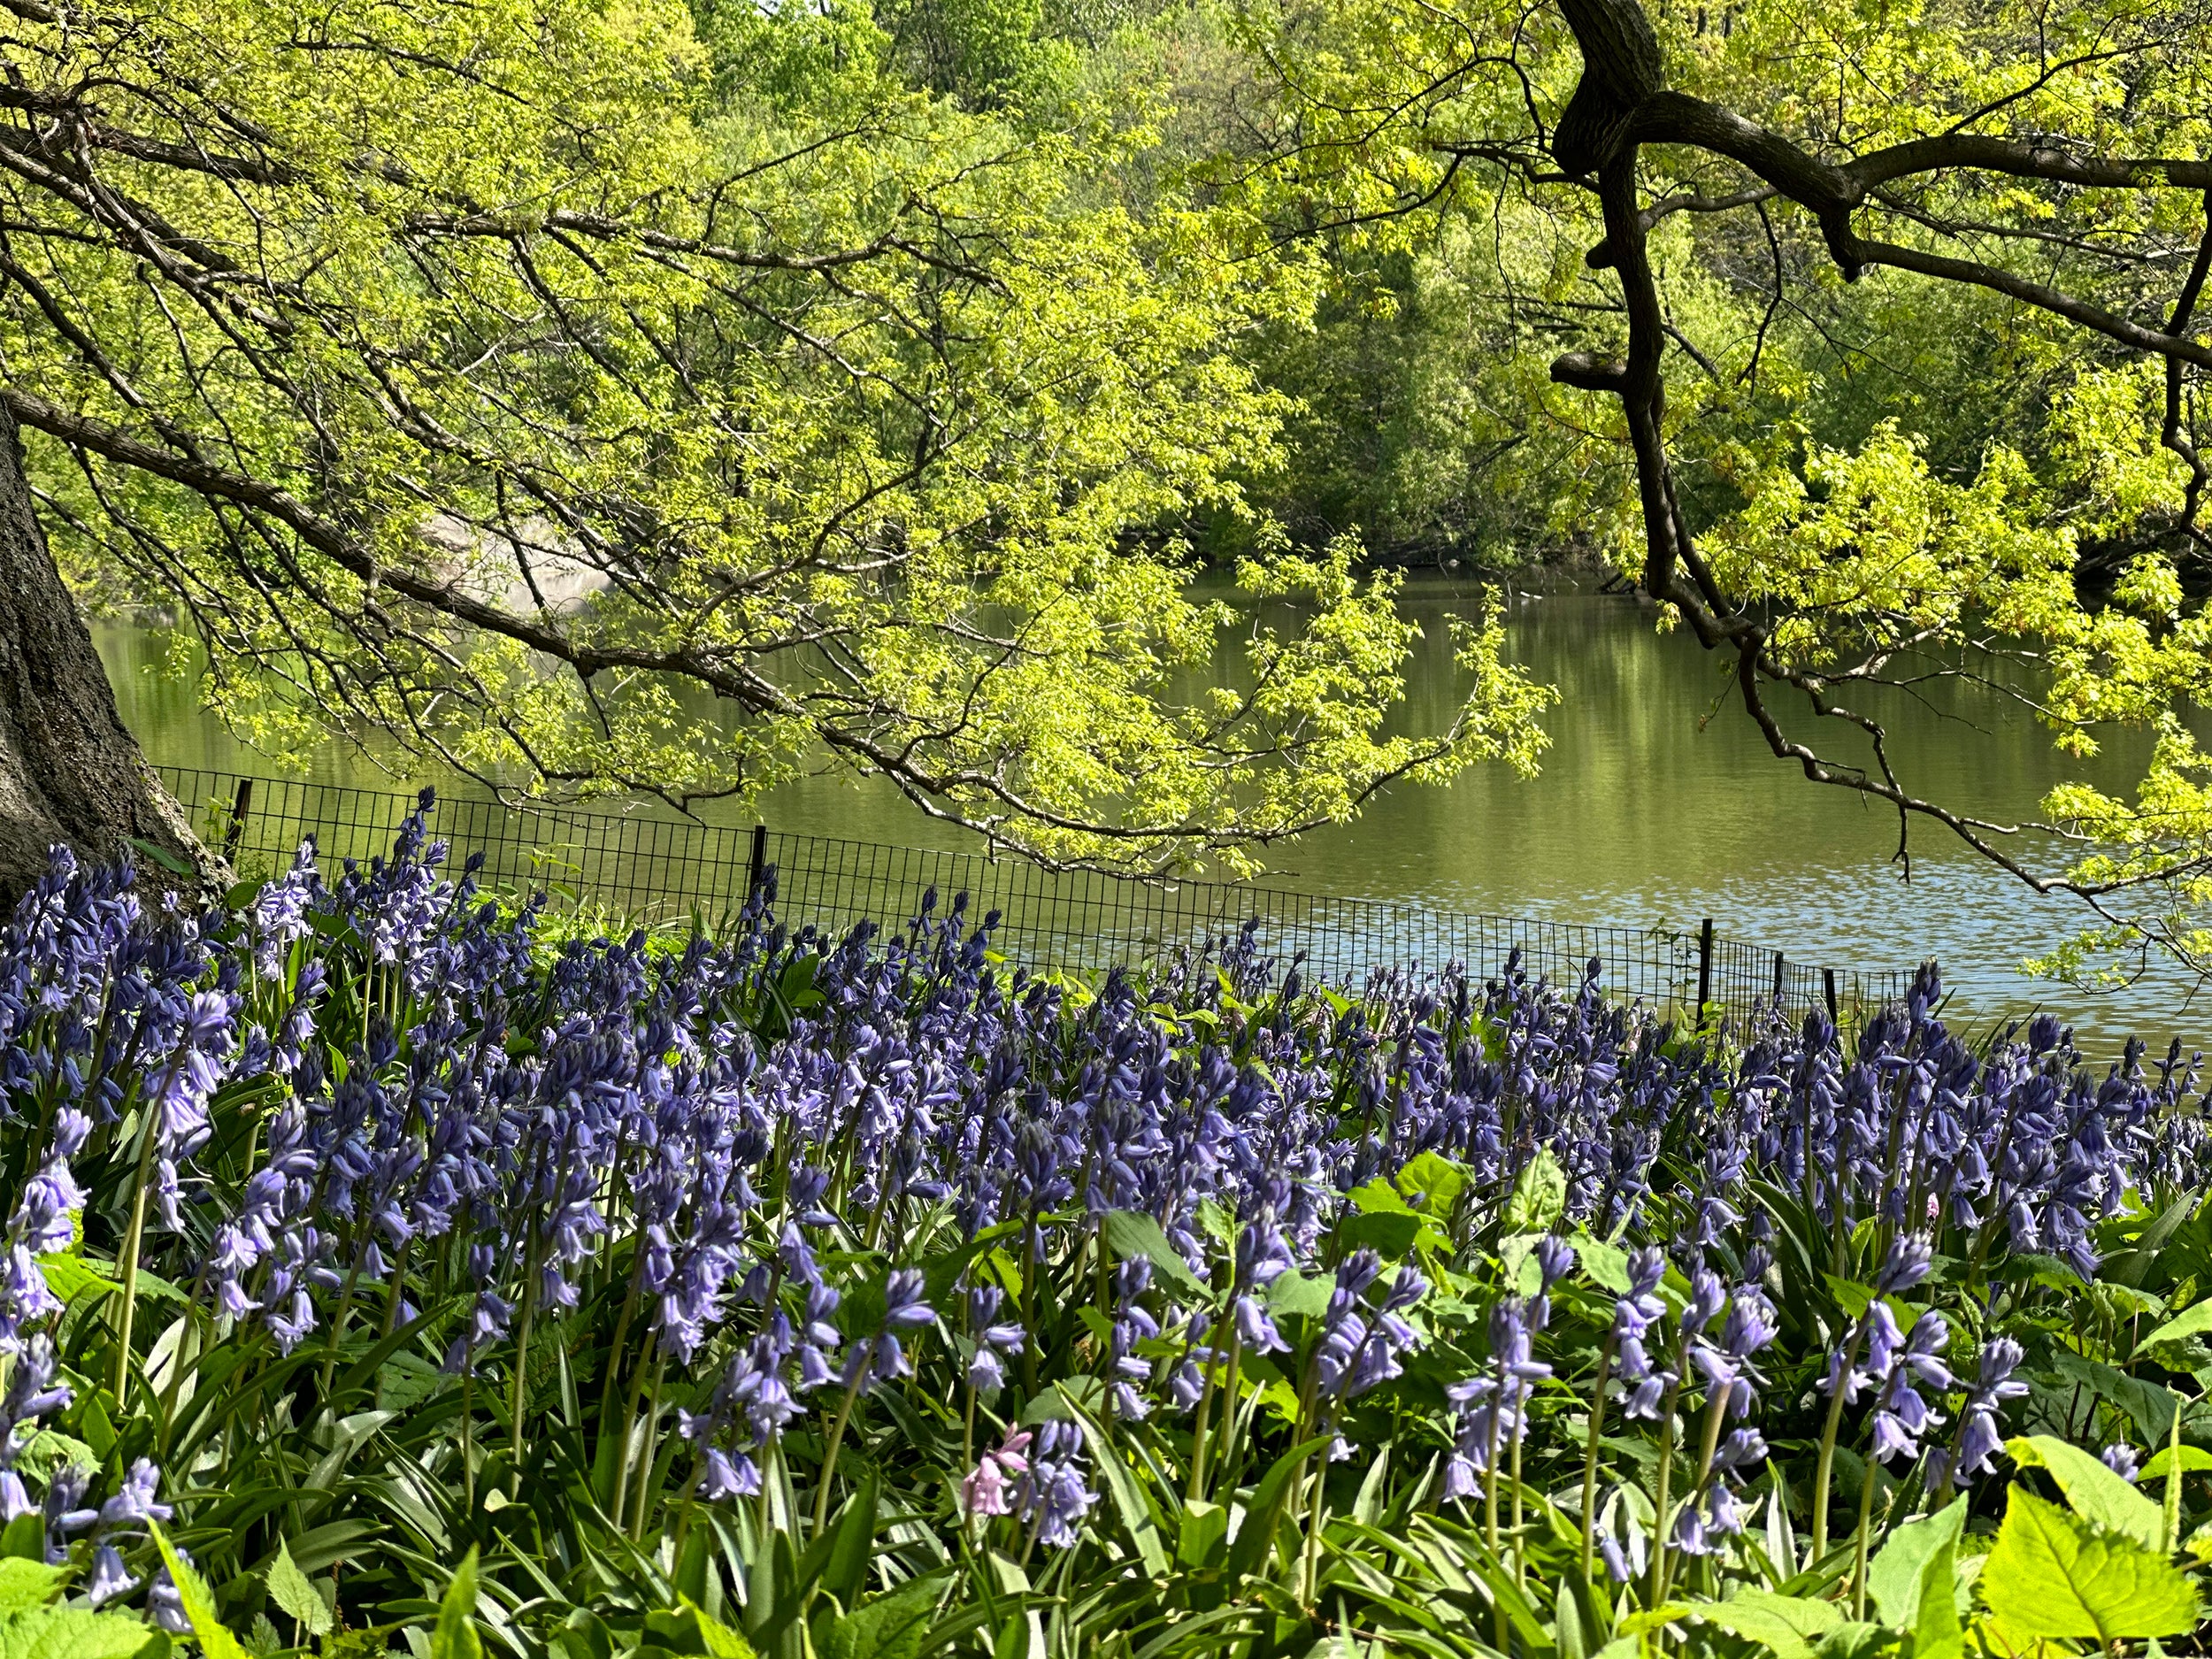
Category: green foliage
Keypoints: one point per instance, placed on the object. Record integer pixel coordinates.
(69, 1633)
(295, 1595)
(455, 1637)
(2055, 1574)
(634, 400)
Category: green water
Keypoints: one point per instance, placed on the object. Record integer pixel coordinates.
(1658, 803)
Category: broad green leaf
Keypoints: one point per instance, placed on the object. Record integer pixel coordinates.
(1436, 1181)
(1204, 1533)
(68, 1276)
(1854, 1639)
(2192, 1459)
(1605, 1264)
(455, 1635)
(1786, 1624)
(1131, 1233)
(1540, 1195)
(1379, 1198)
(888, 1627)
(1894, 1574)
(216, 1641)
(2168, 1341)
(721, 1641)
(48, 1449)
(25, 1584)
(69, 1632)
(2053, 1574)
(1389, 1233)
(2148, 1406)
(1518, 1269)
(691, 1632)
(1937, 1633)
(1293, 1292)
(1656, 1618)
(2096, 1493)
(296, 1594)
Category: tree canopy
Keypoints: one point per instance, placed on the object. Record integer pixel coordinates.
(1871, 342)
(599, 396)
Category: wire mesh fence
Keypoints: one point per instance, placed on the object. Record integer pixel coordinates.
(654, 869)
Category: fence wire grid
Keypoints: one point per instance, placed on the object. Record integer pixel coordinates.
(657, 870)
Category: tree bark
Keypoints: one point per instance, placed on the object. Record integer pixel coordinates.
(70, 771)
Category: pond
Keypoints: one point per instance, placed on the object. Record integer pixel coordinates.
(1658, 805)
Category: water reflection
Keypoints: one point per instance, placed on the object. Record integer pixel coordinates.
(1659, 803)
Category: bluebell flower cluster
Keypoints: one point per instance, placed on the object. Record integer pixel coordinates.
(800, 1174)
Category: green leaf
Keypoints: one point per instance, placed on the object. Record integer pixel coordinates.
(1436, 1181)
(216, 1641)
(1128, 1499)
(25, 1538)
(721, 1642)
(1130, 1232)
(25, 1584)
(1379, 1198)
(853, 1546)
(1853, 1297)
(2192, 1459)
(1203, 1536)
(366, 1641)
(690, 1632)
(455, 1636)
(161, 855)
(2096, 1493)
(1855, 1640)
(1390, 1233)
(1895, 1574)
(69, 1632)
(1296, 1293)
(889, 1627)
(296, 1594)
(1782, 1623)
(2053, 1574)
(1540, 1195)
(2147, 1405)
(1257, 1530)
(1518, 1269)
(1606, 1264)
(2173, 1336)
(68, 1276)
(48, 1450)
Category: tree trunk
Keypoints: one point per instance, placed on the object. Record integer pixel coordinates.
(70, 771)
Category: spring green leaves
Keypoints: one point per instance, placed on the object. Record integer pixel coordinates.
(455, 1636)
(797, 427)
(296, 1594)
(2055, 1574)
(216, 1641)
(1786, 1625)
(69, 1633)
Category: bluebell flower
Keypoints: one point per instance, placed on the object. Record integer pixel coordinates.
(1055, 1495)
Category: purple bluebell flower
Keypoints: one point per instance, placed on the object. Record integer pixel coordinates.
(1054, 1496)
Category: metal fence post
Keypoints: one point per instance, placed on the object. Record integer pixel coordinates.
(1778, 976)
(1828, 984)
(235, 835)
(1704, 966)
(759, 866)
